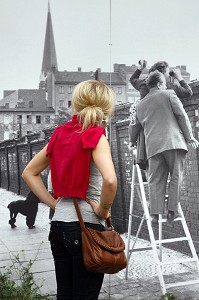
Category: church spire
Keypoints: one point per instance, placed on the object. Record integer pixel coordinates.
(48, 6)
(49, 63)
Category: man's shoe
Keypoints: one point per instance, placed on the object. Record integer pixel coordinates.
(171, 216)
(155, 219)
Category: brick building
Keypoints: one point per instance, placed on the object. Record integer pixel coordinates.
(23, 112)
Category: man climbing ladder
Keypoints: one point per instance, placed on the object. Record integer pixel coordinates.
(167, 132)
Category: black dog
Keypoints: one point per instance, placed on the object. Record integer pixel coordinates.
(28, 208)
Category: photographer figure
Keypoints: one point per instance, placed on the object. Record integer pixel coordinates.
(182, 90)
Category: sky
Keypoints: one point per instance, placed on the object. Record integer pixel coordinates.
(95, 34)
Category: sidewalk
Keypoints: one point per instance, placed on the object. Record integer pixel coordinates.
(143, 284)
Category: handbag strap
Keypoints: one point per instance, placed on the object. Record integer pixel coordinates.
(82, 225)
(79, 214)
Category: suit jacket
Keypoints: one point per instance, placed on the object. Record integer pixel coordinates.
(164, 120)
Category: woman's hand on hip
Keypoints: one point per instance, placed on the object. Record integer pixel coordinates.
(98, 210)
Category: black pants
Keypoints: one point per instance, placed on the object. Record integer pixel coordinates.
(73, 280)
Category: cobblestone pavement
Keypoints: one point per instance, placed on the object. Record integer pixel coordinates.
(142, 283)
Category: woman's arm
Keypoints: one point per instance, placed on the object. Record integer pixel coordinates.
(103, 161)
(31, 176)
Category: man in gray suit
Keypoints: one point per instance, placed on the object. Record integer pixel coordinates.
(167, 131)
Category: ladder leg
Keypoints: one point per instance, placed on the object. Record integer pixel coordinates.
(160, 237)
(130, 218)
(187, 233)
(137, 235)
(156, 257)
(140, 196)
(151, 234)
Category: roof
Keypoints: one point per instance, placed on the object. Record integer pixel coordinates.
(26, 109)
(20, 100)
(71, 77)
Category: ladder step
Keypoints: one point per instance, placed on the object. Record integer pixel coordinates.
(139, 217)
(179, 261)
(137, 183)
(183, 283)
(171, 240)
(176, 219)
(141, 249)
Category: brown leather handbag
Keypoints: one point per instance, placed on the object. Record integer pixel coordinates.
(103, 251)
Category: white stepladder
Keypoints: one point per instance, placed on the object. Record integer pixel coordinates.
(156, 245)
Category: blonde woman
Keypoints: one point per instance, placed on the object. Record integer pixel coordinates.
(81, 166)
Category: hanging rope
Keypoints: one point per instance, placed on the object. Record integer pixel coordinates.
(110, 83)
(110, 58)
(110, 40)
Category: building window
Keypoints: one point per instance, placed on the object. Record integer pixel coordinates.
(6, 105)
(119, 90)
(61, 103)
(30, 104)
(21, 104)
(29, 119)
(70, 89)
(38, 119)
(69, 103)
(61, 89)
(19, 119)
(47, 119)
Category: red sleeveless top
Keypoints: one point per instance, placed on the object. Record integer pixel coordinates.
(70, 154)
